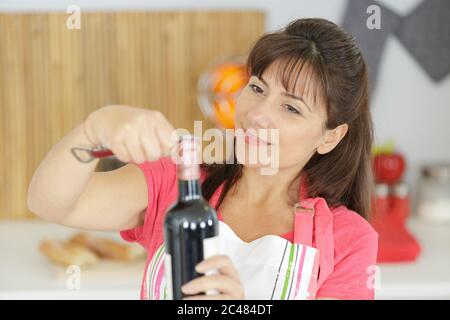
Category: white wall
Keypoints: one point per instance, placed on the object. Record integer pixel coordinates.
(407, 105)
(279, 12)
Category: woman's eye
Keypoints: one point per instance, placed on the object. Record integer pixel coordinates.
(256, 89)
(290, 108)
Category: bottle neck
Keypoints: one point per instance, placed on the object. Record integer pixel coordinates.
(189, 170)
(189, 190)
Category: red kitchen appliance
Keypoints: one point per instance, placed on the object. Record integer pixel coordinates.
(391, 208)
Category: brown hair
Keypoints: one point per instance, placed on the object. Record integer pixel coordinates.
(339, 73)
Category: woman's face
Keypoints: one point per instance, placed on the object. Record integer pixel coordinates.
(264, 104)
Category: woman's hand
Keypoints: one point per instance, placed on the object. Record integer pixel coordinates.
(132, 134)
(226, 281)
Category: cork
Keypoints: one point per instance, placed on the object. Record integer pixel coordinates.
(188, 164)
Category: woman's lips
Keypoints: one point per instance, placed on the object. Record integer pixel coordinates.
(254, 141)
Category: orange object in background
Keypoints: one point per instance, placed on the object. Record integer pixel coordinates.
(224, 109)
(228, 78)
(218, 89)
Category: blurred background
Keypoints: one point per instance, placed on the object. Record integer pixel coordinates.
(60, 60)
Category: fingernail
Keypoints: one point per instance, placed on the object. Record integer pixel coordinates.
(199, 267)
(186, 288)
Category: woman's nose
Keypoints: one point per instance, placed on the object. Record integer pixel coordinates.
(259, 118)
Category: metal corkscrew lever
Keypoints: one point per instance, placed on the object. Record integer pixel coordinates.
(87, 154)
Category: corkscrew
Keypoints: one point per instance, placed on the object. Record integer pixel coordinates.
(88, 154)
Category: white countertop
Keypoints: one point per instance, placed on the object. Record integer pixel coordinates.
(426, 278)
(26, 274)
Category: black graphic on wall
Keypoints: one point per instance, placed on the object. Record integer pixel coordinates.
(424, 32)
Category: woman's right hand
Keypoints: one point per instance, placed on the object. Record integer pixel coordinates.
(132, 134)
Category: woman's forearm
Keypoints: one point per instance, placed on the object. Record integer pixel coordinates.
(60, 178)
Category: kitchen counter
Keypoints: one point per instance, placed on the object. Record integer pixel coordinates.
(26, 274)
(426, 278)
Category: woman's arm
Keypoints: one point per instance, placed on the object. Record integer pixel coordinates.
(68, 192)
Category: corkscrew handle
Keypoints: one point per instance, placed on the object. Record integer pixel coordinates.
(86, 154)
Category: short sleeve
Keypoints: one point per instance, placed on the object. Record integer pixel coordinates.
(161, 180)
(356, 249)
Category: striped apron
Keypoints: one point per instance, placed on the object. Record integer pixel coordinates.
(270, 267)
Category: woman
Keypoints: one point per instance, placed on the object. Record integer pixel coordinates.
(308, 80)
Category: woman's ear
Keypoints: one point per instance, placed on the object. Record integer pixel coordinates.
(331, 138)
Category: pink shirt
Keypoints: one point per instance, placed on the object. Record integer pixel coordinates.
(355, 241)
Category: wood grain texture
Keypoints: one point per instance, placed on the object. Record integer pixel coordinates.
(51, 77)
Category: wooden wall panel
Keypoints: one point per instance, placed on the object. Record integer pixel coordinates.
(52, 77)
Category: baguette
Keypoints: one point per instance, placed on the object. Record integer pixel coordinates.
(67, 254)
(107, 248)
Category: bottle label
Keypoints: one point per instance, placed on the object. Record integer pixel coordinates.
(211, 248)
(168, 274)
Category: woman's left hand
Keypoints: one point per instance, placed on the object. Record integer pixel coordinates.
(226, 281)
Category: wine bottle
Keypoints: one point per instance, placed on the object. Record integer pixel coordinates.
(190, 224)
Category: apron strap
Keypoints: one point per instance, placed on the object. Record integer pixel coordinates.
(304, 223)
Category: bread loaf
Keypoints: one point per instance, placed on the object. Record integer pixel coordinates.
(67, 254)
(107, 248)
